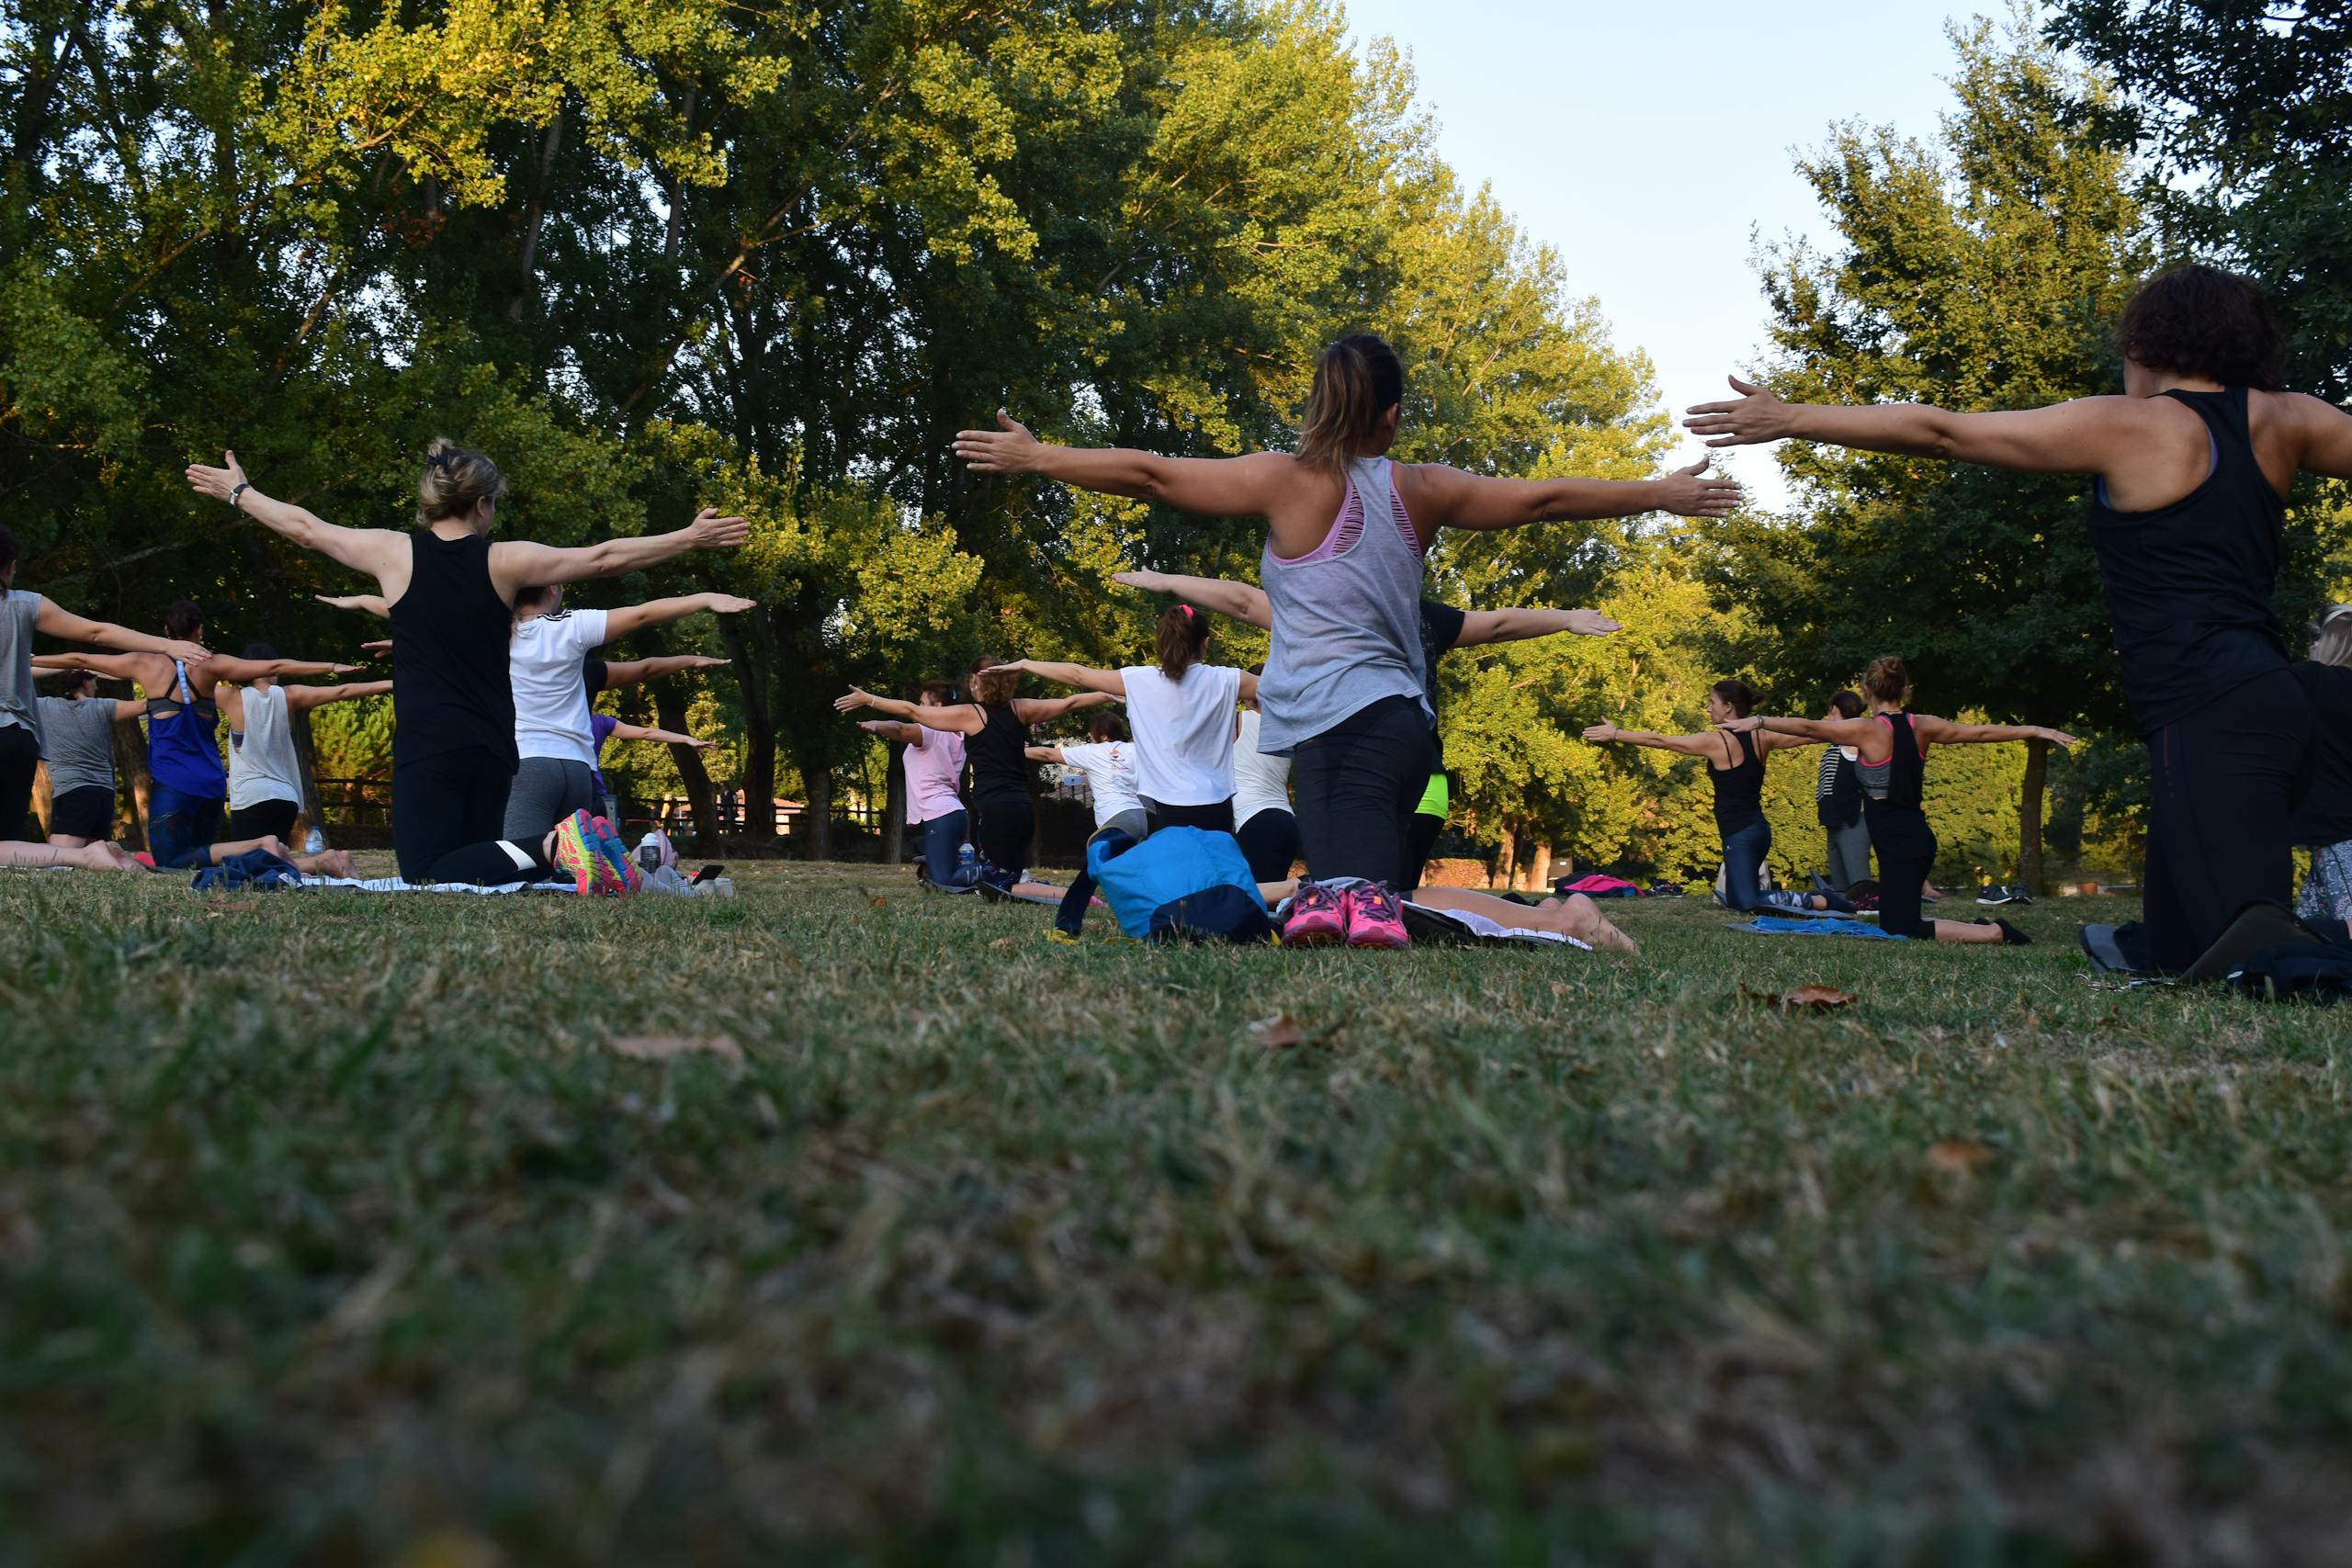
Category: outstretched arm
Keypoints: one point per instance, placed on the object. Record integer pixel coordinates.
(64, 624)
(2088, 435)
(1830, 731)
(221, 667)
(1442, 497)
(620, 623)
(669, 736)
(365, 603)
(1944, 732)
(1083, 676)
(376, 551)
(120, 666)
(312, 696)
(892, 731)
(1244, 602)
(1042, 753)
(1045, 710)
(1219, 487)
(630, 672)
(517, 564)
(1518, 626)
(1687, 745)
(961, 719)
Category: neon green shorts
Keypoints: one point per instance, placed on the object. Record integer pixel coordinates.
(1435, 800)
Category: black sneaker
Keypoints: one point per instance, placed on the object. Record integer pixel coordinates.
(1994, 893)
(2010, 936)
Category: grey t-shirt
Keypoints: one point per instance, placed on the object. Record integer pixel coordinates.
(77, 742)
(17, 693)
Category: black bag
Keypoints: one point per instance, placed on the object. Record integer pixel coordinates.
(2296, 972)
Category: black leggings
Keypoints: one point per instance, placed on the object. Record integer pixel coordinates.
(2220, 784)
(261, 820)
(1906, 853)
(493, 865)
(1215, 818)
(1356, 785)
(1007, 822)
(19, 755)
(1270, 844)
(446, 802)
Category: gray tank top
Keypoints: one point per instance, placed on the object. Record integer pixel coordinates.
(262, 765)
(77, 742)
(1347, 617)
(19, 697)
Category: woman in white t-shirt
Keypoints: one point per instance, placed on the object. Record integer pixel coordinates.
(1182, 712)
(1108, 760)
(556, 770)
(1262, 820)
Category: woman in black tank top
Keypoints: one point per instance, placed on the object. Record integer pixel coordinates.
(1894, 747)
(995, 724)
(450, 593)
(2190, 465)
(1736, 773)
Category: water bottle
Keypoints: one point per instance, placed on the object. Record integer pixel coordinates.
(649, 852)
(313, 841)
(966, 859)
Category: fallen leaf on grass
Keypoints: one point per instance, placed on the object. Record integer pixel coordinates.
(662, 1048)
(878, 903)
(1805, 999)
(1003, 943)
(1957, 1157)
(1279, 1032)
(1561, 989)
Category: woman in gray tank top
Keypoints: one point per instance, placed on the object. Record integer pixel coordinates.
(1347, 531)
(77, 747)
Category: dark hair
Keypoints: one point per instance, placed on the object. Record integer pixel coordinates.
(1105, 726)
(2195, 320)
(1738, 693)
(1357, 380)
(182, 620)
(1847, 704)
(1887, 680)
(79, 681)
(1181, 636)
(457, 479)
(941, 693)
(526, 597)
(260, 650)
(8, 556)
(991, 691)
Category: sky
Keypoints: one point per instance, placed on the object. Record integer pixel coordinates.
(1651, 144)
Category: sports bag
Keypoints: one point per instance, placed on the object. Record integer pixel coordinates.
(1181, 884)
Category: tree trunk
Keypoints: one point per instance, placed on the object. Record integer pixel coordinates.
(2030, 802)
(894, 806)
(1506, 860)
(1539, 869)
(816, 823)
(670, 708)
(130, 768)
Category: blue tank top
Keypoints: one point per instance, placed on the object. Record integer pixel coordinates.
(184, 741)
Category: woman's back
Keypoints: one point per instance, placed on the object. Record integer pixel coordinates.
(1183, 732)
(452, 627)
(999, 753)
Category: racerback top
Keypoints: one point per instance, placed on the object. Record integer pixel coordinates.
(2188, 586)
(1739, 789)
(998, 755)
(451, 691)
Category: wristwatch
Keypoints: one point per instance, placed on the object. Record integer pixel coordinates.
(239, 489)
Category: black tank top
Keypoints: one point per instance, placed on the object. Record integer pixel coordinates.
(999, 766)
(1739, 789)
(2188, 586)
(1905, 772)
(450, 687)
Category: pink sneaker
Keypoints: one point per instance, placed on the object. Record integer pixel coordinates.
(1374, 919)
(1319, 915)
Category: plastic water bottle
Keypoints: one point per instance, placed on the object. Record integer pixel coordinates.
(965, 858)
(313, 841)
(649, 852)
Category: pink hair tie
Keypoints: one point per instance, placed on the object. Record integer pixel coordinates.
(1187, 609)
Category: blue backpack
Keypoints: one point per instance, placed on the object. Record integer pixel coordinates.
(1181, 884)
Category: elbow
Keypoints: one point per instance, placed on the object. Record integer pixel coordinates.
(1941, 440)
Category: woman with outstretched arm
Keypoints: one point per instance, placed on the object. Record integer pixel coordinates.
(2189, 472)
(1892, 747)
(450, 593)
(1346, 533)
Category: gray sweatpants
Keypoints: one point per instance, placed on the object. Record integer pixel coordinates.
(1849, 854)
(546, 791)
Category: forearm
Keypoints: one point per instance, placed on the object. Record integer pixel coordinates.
(614, 557)
(108, 635)
(668, 737)
(1988, 734)
(1809, 729)
(352, 693)
(282, 517)
(1919, 430)
(1108, 471)
(1237, 600)
(1587, 499)
(1518, 625)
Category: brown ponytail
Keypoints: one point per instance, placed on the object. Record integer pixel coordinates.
(1736, 694)
(1886, 680)
(457, 479)
(1357, 381)
(991, 689)
(1181, 637)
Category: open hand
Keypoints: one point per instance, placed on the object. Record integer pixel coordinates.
(1008, 449)
(349, 668)
(712, 531)
(382, 649)
(217, 483)
(1149, 582)
(1018, 667)
(695, 743)
(2059, 737)
(188, 652)
(857, 699)
(1755, 415)
(1689, 493)
(1748, 725)
(727, 604)
(1592, 623)
(1602, 732)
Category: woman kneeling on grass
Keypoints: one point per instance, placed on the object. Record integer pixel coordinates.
(1893, 753)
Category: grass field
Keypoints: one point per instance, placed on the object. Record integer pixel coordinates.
(337, 1230)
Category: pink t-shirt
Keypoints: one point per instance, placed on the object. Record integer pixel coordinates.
(933, 764)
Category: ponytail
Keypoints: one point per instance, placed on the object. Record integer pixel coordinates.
(456, 480)
(1180, 639)
(1736, 694)
(1357, 381)
(1886, 680)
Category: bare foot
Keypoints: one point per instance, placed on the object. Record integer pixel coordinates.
(1582, 918)
(327, 863)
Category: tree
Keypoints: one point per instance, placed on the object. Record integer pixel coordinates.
(1979, 273)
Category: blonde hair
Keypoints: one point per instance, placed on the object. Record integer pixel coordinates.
(2332, 636)
(1887, 680)
(1357, 380)
(456, 480)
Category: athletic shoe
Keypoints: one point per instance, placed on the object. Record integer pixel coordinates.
(1374, 918)
(2010, 936)
(626, 877)
(1996, 893)
(1319, 915)
(1821, 884)
(577, 856)
(1067, 939)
